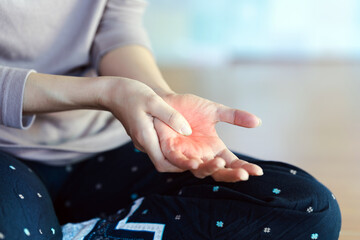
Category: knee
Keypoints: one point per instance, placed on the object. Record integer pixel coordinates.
(16, 178)
(324, 212)
(312, 206)
(296, 200)
(25, 206)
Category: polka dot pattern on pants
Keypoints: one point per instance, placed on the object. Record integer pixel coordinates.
(134, 168)
(98, 186)
(100, 158)
(217, 223)
(68, 168)
(310, 209)
(67, 204)
(314, 236)
(220, 224)
(276, 191)
(216, 188)
(27, 232)
(134, 196)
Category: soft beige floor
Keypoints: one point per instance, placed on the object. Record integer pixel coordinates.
(310, 114)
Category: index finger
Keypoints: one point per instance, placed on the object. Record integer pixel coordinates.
(166, 113)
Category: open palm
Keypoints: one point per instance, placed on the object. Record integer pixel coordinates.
(203, 152)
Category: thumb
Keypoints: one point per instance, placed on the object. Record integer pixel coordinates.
(237, 117)
(164, 112)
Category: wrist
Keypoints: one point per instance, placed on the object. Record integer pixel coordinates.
(106, 90)
(163, 92)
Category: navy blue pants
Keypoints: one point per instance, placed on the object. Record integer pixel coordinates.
(133, 201)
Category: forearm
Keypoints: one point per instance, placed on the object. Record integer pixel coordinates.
(134, 62)
(52, 93)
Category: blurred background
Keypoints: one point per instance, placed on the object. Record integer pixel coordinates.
(212, 32)
(294, 63)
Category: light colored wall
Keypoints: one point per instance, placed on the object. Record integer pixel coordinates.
(213, 31)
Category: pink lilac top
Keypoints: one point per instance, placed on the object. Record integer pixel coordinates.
(64, 37)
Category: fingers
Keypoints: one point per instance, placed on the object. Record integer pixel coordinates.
(233, 170)
(237, 117)
(181, 161)
(210, 167)
(234, 162)
(147, 141)
(236, 169)
(216, 169)
(230, 175)
(251, 168)
(163, 111)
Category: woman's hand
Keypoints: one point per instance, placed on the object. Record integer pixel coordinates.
(203, 152)
(132, 102)
(136, 106)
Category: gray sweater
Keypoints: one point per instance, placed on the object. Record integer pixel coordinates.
(66, 37)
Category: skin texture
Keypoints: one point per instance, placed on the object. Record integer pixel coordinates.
(136, 106)
(140, 67)
(203, 152)
(155, 117)
(132, 102)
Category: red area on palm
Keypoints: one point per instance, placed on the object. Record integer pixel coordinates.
(203, 152)
(203, 143)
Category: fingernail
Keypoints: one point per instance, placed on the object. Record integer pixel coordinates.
(195, 165)
(259, 172)
(185, 130)
(260, 123)
(221, 164)
(244, 177)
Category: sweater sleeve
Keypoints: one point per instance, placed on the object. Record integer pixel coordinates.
(121, 25)
(12, 84)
